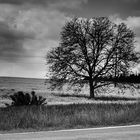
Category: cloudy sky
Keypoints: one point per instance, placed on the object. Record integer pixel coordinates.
(29, 28)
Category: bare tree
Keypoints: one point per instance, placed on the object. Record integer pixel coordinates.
(91, 49)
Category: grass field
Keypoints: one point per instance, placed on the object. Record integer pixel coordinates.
(68, 116)
(10, 85)
(64, 109)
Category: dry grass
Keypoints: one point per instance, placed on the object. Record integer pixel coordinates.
(9, 86)
(68, 116)
(88, 113)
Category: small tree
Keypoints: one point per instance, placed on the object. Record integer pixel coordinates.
(91, 49)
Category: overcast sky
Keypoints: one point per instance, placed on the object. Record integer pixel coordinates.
(29, 28)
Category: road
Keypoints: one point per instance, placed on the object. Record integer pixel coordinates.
(110, 133)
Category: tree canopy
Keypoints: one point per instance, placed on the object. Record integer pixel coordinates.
(90, 49)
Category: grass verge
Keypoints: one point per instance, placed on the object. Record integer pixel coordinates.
(56, 117)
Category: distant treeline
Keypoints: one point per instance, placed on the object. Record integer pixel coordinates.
(132, 78)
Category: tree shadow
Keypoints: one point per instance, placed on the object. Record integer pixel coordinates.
(116, 98)
(101, 98)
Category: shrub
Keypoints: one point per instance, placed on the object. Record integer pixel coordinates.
(20, 99)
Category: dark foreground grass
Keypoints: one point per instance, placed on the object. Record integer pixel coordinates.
(68, 116)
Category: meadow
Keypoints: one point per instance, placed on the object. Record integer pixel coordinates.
(10, 85)
(64, 110)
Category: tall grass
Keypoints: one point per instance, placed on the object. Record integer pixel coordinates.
(68, 116)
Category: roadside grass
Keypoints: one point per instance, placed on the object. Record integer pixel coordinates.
(56, 117)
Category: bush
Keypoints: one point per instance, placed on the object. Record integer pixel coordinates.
(20, 99)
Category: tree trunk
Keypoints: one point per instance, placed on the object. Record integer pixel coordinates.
(91, 89)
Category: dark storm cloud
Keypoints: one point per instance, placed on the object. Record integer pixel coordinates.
(124, 8)
(66, 3)
(128, 7)
(94, 7)
(11, 40)
(18, 2)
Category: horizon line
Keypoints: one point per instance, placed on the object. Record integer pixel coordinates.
(22, 77)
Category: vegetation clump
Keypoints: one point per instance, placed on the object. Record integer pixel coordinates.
(20, 99)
